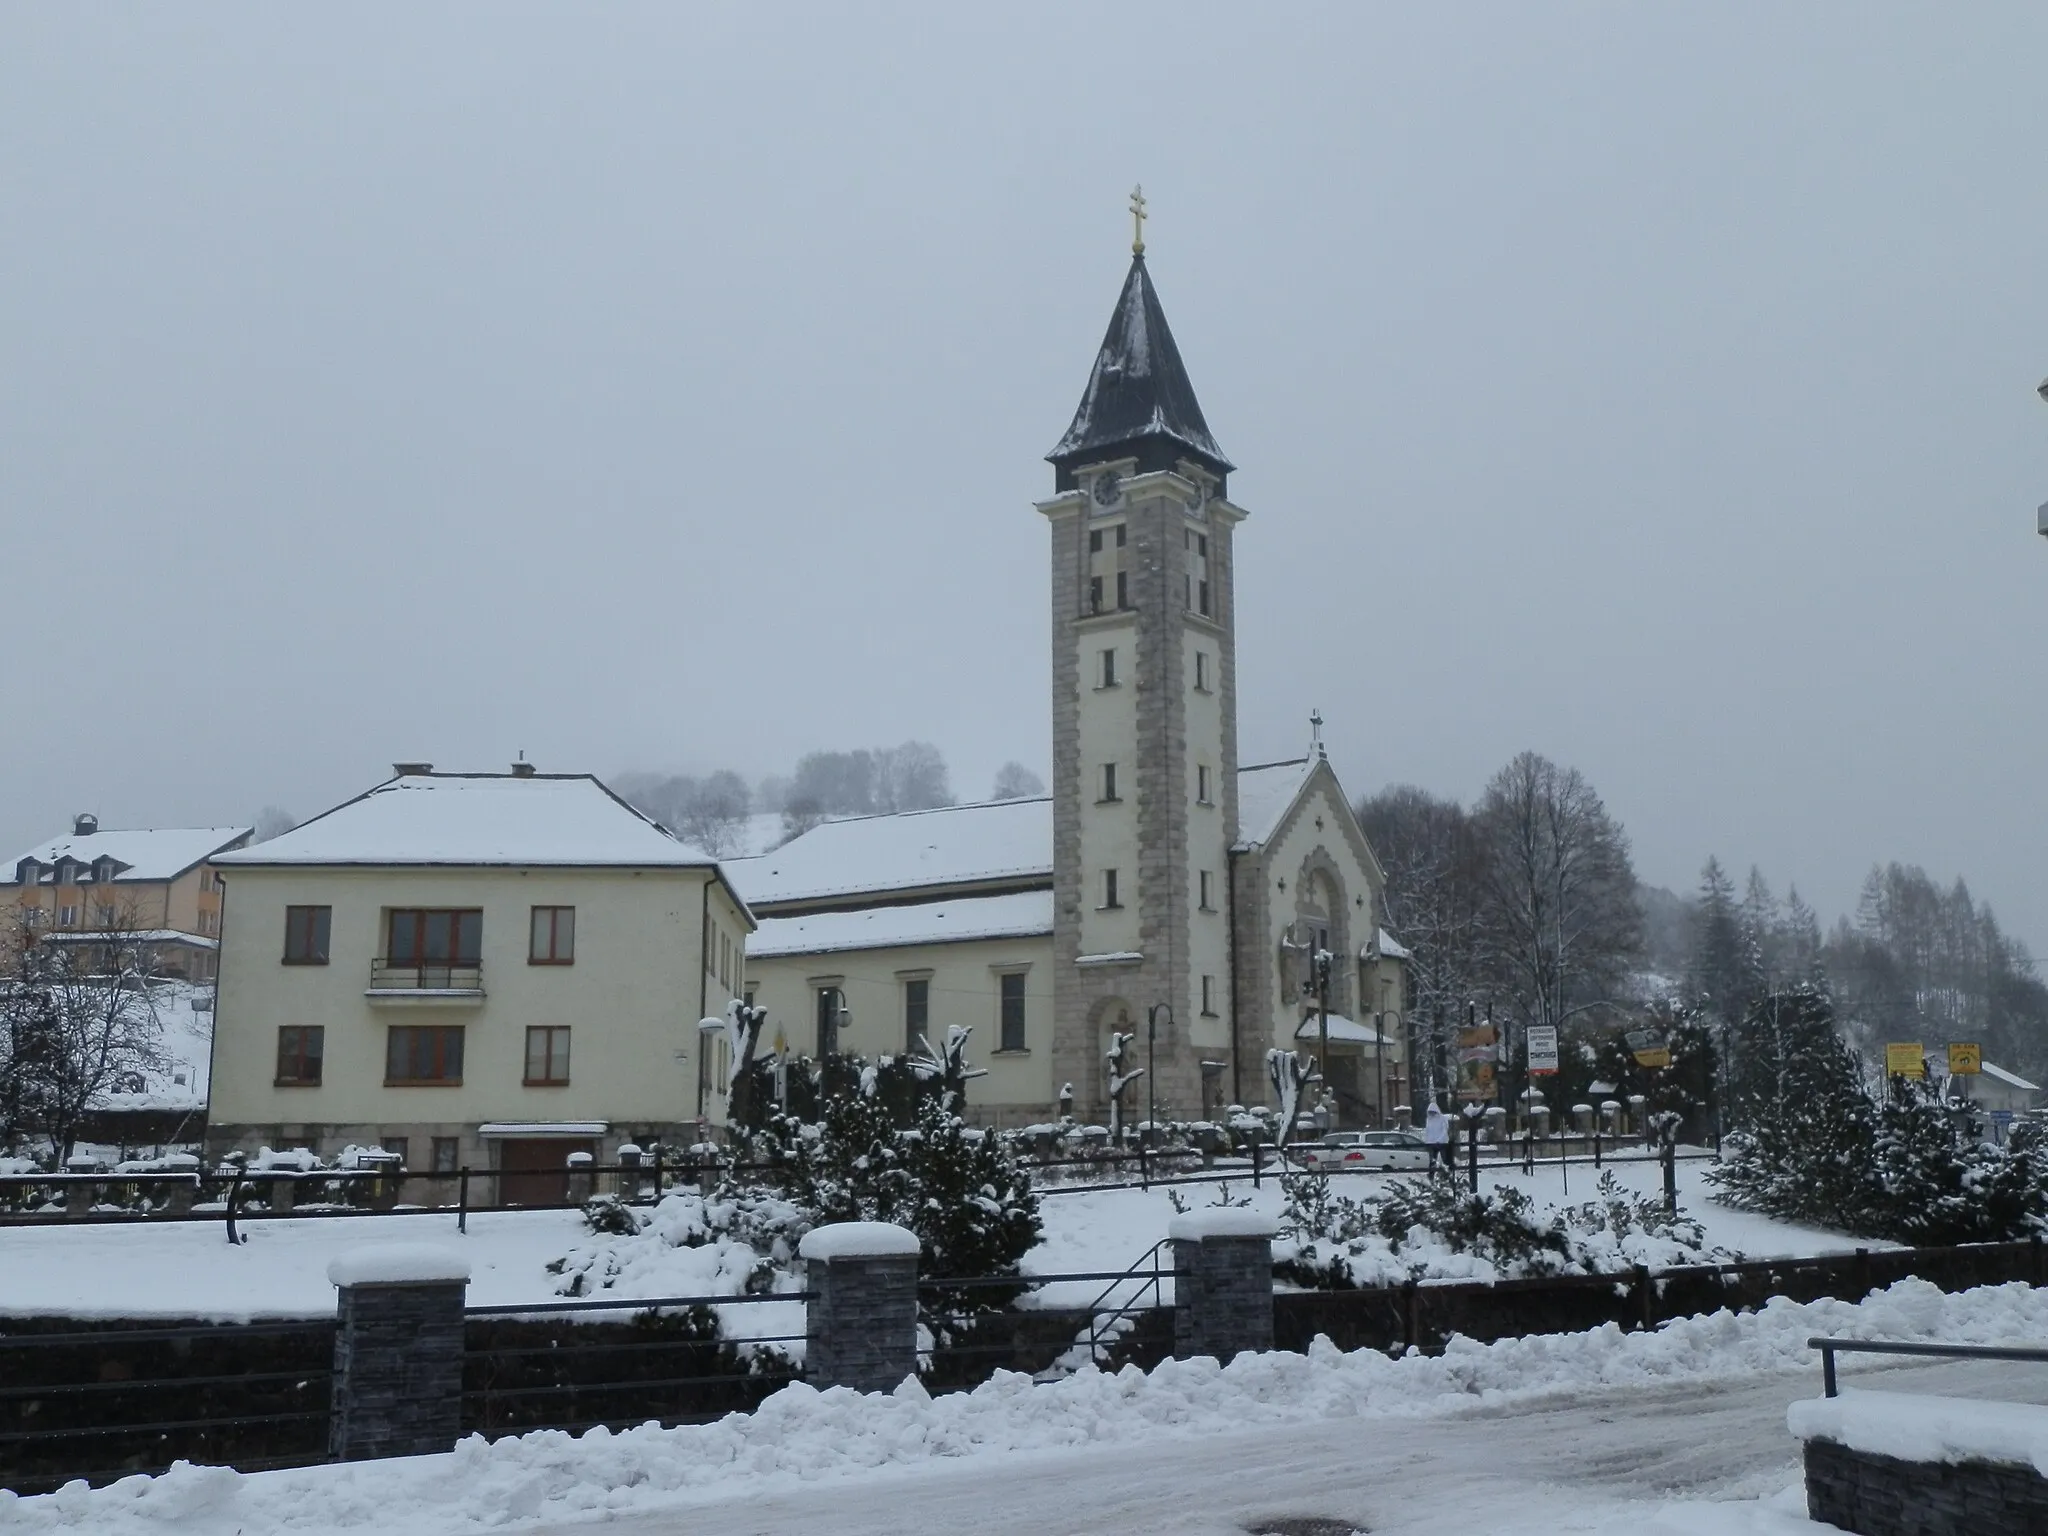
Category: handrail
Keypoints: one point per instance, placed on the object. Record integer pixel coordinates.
(1096, 1329)
(1829, 1348)
(629, 1303)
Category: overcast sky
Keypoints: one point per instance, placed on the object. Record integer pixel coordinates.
(666, 387)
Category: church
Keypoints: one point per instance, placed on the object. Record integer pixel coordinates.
(1164, 890)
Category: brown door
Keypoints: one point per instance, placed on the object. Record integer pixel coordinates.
(535, 1172)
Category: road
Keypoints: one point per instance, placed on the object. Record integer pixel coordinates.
(1586, 1464)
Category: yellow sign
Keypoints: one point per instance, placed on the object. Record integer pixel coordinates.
(1905, 1061)
(1965, 1060)
(1659, 1057)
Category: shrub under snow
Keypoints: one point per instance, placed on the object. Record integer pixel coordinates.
(1417, 1229)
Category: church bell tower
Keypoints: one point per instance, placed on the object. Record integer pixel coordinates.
(1144, 710)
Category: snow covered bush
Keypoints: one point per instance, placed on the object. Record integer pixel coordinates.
(960, 1189)
(1418, 1229)
(687, 1245)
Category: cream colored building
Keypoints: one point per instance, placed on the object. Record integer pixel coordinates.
(1162, 889)
(482, 970)
(157, 882)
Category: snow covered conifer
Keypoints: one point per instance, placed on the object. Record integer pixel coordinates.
(1804, 1150)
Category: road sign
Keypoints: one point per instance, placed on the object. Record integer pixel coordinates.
(1905, 1060)
(1965, 1060)
(1542, 1050)
(1658, 1057)
(1650, 1047)
(2001, 1117)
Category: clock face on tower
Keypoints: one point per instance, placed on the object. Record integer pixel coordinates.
(1106, 487)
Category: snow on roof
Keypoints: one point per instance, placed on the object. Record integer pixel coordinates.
(566, 819)
(1349, 1031)
(1265, 793)
(142, 853)
(911, 850)
(2010, 1079)
(1385, 947)
(171, 936)
(1022, 914)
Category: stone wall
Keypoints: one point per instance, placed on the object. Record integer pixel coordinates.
(1874, 1495)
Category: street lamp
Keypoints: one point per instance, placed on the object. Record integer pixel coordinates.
(1151, 1088)
(2041, 514)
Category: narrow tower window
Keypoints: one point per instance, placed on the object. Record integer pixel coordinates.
(1109, 669)
(1109, 897)
(1109, 781)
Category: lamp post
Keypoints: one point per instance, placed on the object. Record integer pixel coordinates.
(1152, 1077)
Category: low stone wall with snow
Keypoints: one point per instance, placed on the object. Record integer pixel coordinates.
(1898, 1464)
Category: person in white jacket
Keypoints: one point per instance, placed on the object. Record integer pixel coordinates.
(1436, 1136)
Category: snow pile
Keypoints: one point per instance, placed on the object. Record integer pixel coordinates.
(1916, 1428)
(858, 1240)
(801, 1434)
(397, 1264)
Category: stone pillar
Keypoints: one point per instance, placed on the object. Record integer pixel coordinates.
(397, 1350)
(179, 1196)
(582, 1182)
(863, 1323)
(1223, 1282)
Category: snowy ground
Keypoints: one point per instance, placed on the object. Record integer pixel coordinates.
(187, 1269)
(1678, 1432)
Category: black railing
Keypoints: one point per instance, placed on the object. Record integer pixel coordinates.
(457, 976)
(102, 1404)
(669, 1360)
(1829, 1348)
(977, 1326)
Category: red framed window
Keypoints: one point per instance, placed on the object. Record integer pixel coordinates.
(305, 935)
(547, 1055)
(299, 1051)
(423, 1053)
(421, 936)
(553, 937)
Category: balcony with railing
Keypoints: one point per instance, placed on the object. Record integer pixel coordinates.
(425, 981)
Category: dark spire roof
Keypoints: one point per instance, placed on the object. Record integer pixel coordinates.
(1139, 403)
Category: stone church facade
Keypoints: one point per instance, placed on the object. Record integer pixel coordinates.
(1162, 889)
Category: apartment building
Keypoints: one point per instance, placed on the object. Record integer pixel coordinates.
(493, 971)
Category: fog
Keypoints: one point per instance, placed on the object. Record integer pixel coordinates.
(666, 387)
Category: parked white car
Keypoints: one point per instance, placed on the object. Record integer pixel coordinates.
(1370, 1151)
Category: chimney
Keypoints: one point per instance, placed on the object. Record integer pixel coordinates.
(84, 824)
(409, 770)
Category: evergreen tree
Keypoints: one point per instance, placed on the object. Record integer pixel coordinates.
(1805, 1145)
(1714, 978)
(1936, 1180)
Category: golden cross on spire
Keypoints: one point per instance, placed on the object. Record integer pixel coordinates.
(1138, 221)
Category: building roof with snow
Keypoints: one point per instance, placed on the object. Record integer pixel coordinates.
(1266, 792)
(567, 820)
(985, 848)
(1019, 915)
(1139, 402)
(2010, 1079)
(139, 854)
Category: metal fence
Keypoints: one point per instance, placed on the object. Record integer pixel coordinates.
(1045, 1326)
(103, 1403)
(574, 1365)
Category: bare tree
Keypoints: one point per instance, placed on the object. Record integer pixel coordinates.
(911, 777)
(272, 821)
(713, 815)
(77, 1021)
(1435, 895)
(1016, 782)
(1560, 919)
